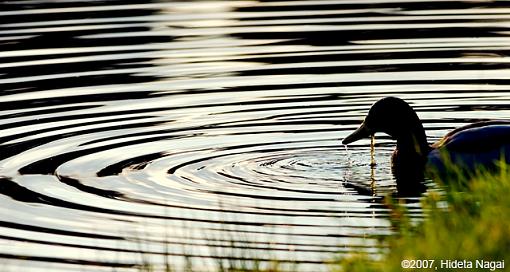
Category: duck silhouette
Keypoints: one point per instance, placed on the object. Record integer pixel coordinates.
(481, 144)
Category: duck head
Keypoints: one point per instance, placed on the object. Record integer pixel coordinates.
(396, 118)
(392, 116)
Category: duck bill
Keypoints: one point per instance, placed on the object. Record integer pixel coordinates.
(360, 133)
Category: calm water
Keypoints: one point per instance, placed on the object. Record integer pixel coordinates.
(208, 133)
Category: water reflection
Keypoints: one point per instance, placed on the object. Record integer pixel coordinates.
(208, 132)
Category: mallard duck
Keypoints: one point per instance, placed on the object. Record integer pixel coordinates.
(477, 144)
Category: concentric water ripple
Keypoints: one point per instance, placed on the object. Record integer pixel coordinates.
(207, 134)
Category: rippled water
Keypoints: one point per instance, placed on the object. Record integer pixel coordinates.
(206, 134)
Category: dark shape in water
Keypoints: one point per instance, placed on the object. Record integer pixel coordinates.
(477, 144)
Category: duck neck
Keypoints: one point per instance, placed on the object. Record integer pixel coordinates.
(413, 143)
(411, 153)
(409, 162)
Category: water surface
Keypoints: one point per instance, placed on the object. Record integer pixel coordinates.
(208, 133)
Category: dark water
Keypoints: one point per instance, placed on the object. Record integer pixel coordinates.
(206, 134)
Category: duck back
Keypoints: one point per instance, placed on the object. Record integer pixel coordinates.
(479, 145)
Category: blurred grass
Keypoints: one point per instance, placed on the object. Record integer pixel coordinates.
(470, 220)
